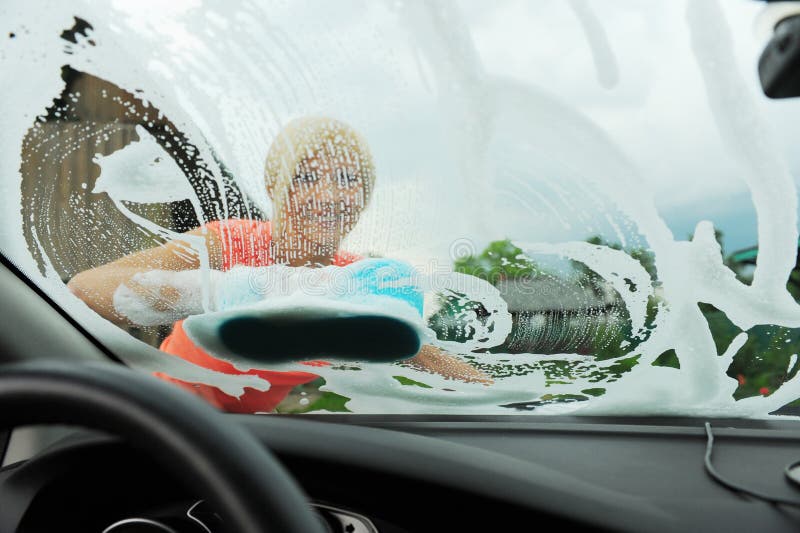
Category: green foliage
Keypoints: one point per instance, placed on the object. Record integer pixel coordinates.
(402, 380)
(547, 399)
(668, 358)
(500, 260)
(328, 401)
(645, 257)
(793, 286)
(762, 364)
(317, 400)
(722, 329)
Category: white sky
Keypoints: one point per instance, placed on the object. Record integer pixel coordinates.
(657, 112)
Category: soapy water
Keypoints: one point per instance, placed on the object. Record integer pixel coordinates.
(480, 129)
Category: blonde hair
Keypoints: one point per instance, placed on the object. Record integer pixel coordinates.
(308, 138)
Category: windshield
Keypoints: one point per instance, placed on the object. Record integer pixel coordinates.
(401, 207)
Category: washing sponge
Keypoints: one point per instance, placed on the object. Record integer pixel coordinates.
(370, 310)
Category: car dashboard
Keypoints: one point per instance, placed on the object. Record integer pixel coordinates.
(404, 474)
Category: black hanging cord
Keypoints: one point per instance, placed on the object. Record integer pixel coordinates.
(713, 474)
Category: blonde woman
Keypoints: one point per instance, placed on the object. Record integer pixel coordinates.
(320, 176)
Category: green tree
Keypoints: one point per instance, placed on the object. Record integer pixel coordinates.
(645, 257)
(499, 261)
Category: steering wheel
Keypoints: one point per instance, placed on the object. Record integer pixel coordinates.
(244, 483)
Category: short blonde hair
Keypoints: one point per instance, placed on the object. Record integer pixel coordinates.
(307, 138)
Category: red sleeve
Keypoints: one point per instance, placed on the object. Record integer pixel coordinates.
(244, 242)
(345, 258)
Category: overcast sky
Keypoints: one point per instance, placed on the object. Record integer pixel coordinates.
(656, 108)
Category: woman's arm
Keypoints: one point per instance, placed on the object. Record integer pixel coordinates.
(96, 287)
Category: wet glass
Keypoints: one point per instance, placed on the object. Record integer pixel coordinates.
(582, 207)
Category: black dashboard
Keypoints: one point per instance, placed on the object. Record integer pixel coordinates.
(395, 474)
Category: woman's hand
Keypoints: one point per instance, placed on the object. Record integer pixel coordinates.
(97, 286)
(160, 296)
(432, 359)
